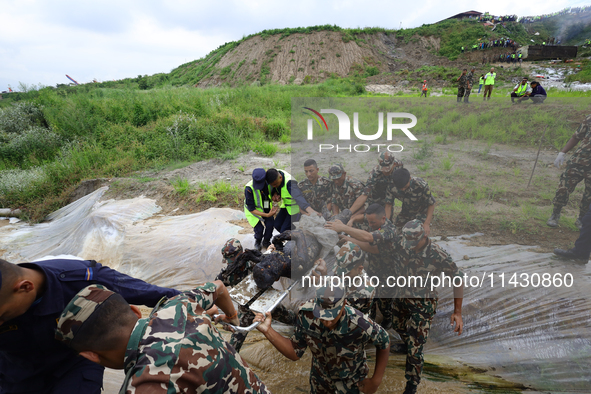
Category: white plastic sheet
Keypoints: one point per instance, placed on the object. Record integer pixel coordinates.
(540, 338)
(129, 236)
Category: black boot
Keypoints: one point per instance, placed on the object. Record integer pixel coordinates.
(571, 255)
(257, 244)
(411, 388)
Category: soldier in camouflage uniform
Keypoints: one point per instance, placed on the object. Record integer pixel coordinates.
(469, 84)
(578, 168)
(379, 183)
(176, 349)
(350, 259)
(384, 253)
(337, 335)
(315, 189)
(417, 201)
(414, 311)
(240, 265)
(462, 84)
(345, 190)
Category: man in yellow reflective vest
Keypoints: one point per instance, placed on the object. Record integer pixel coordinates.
(520, 90)
(489, 82)
(258, 208)
(284, 186)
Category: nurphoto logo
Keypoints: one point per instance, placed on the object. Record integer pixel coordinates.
(344, 130)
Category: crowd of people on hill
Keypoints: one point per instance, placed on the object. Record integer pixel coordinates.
(486, 17)
(492, 18)
(503, 42)
(567, 10)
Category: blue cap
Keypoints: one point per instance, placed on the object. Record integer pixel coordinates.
(258, 178)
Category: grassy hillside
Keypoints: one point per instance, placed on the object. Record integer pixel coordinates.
(52, 142)
(51, 139)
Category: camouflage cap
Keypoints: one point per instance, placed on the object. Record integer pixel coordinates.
(335, 171)
(348, 257)
(412, 233)
(231, 249)
(388, 160)
(78, 310)
(329, 302)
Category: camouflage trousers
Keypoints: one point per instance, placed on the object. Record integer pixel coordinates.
(322, 384)
(467, 94)
(570, 178)
(461, 91)
(281, 314)
(405, 217)
(383, 301)
(412, 319)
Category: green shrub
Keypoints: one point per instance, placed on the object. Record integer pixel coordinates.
(265, 149)
(181, 186)
(371, 71)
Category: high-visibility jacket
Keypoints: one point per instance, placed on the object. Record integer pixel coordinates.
(288, 202)
(424, 86)
(519, 56)
(521, 89)
(512, 56)
(489, 78)
(258, 204)
(481, 81)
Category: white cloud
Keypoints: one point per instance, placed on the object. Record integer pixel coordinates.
(41, 41)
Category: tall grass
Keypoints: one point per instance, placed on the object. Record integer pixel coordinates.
(50, 143)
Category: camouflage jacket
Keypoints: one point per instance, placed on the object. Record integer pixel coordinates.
(582, 155)
(346, 195)
(361, 298)
(416, 199)
(429, 262)
(317, 195)
(338, 354)
(469, 80)
(463, 81)
(377, 187)
(177, 349)
(386, 261)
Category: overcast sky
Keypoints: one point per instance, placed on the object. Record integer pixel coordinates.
(41, 41)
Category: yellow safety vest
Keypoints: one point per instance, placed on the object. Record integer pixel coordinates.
(521, 89)
(490, 78)
(258, 205)
(288, 202)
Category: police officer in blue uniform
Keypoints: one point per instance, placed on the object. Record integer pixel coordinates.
(32, 296)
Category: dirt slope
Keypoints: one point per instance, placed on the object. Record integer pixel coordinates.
(309, 58)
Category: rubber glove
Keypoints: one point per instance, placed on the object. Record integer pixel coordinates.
(559, 159)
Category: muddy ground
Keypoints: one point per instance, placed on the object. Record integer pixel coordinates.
(479, 188)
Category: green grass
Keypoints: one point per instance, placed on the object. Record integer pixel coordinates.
(58, 137)
(265, 149)
(182, 186)
(212, 192)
